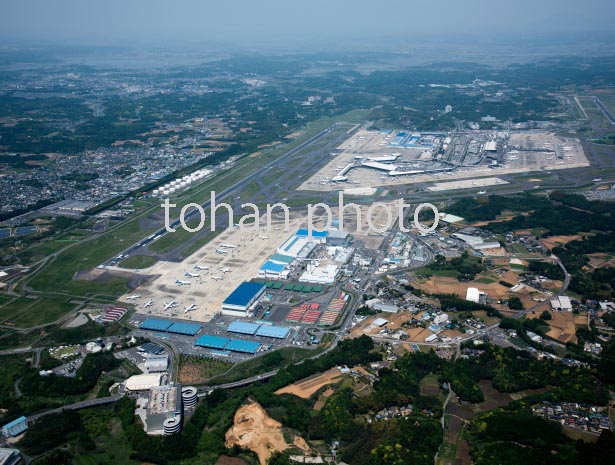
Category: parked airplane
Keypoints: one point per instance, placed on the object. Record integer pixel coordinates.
(191, 275)
(217, 278)
(220, 251)
(264, 237)
(133, 297)
(225, 269)
(228, 246)
(597, 179)
(187, 308)
(170, 305)
(149, 303)
(182, 283)
(482, 192)
(201, 267)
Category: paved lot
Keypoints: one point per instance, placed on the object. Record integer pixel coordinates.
(568, 154)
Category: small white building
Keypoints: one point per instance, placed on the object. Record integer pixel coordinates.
(473, 294)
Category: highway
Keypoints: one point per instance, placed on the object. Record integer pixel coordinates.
(76, 406)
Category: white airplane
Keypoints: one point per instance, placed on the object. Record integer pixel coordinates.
(482, 192)
(133, 297)
(182, 283)
(170, 305)
(597, 179)
(201, 267)
(220, 251)
(264, 237)
(149, 303)
(217, 278)
(225, 269)
(191, 275)
(190, 307)
(228, 246)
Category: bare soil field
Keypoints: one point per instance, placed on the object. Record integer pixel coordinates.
(253, 429)
(307, 387)
(562, 326)
(554, 241)
(600, 260)
(445, 285)
(320, 403)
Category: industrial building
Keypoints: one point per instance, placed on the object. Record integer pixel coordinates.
(164, 410)
(476, 242)
(156, 363)
(254, 329)
(242, 298)
(151, 348)
(223, 343)
(476, 296)
(167, 326)
(561, 304)
(320, 274)
(143, 382)
(276, 332)
(338, 237)
(277, 266)
(15, 427)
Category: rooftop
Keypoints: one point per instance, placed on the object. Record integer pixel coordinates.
(244, 293)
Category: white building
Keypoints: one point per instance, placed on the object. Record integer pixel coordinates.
(561, 304)
(143, 382)
(473, 294)
(156, 363)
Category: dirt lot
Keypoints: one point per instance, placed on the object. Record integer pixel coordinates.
(562, 326)
(445, 285)
(200, 370)
(600, 260)
(307, 387)
(553, 241)
(320, 403)
(253, 429)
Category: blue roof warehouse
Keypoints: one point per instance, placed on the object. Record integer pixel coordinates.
(242, 298)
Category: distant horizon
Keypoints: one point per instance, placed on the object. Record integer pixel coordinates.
(246, 22)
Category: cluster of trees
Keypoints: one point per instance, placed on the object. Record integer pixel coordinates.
(85, 379)
(467, 268)
(451, 302)
(54, 430)
(513, 436)
(513, 371)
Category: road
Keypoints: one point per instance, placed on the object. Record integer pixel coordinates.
(76, 406)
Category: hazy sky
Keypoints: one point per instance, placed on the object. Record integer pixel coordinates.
(244, 20)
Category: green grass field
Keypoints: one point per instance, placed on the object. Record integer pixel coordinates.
(138, 262)
(25, 313)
